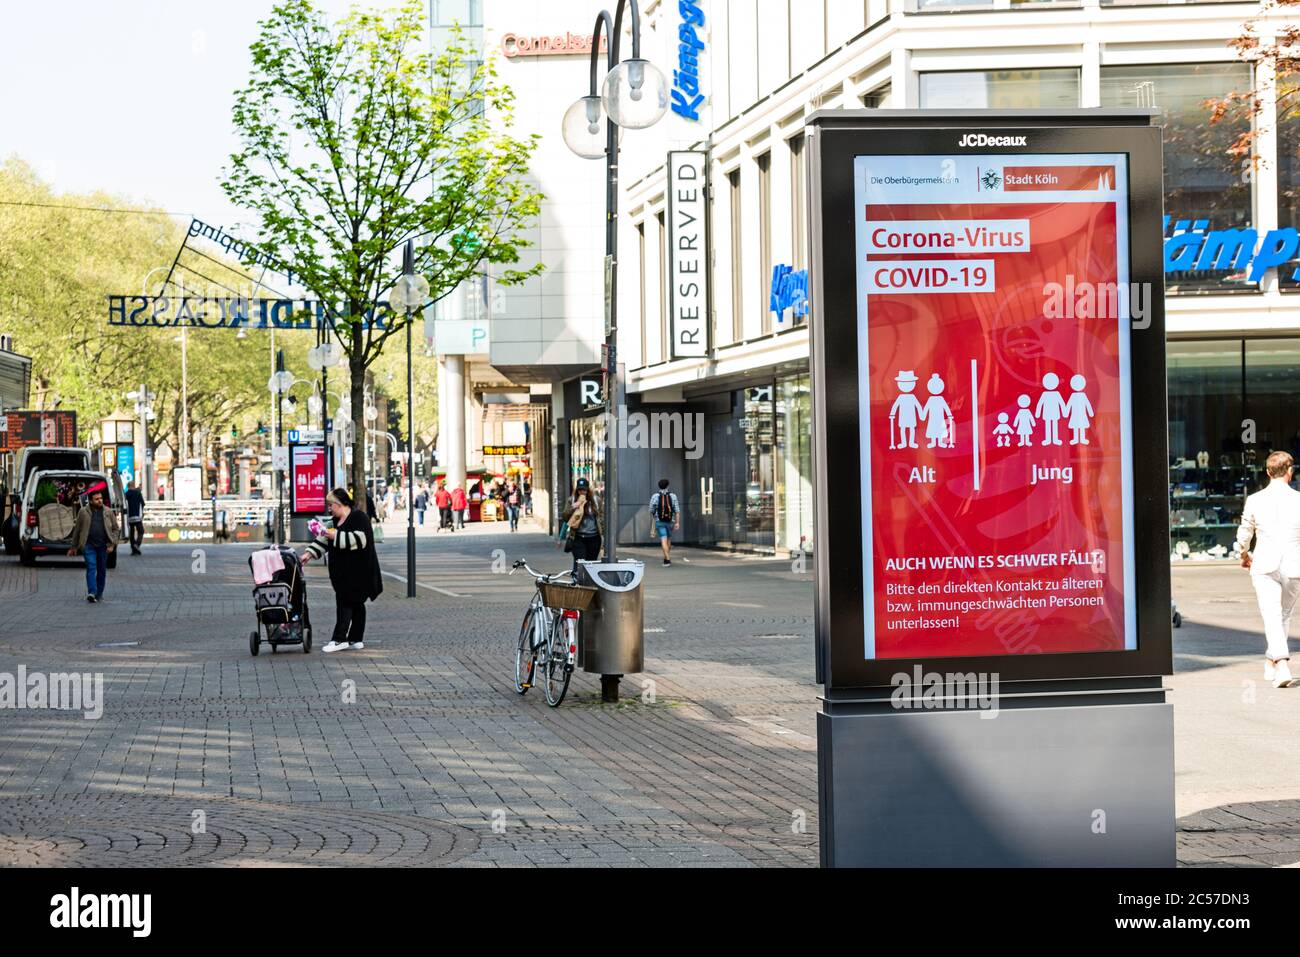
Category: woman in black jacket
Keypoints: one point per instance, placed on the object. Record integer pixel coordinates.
(354, 569)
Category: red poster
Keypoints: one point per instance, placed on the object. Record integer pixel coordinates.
(308, 472)
(993, 422)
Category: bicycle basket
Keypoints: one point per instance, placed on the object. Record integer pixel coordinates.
(576, 597)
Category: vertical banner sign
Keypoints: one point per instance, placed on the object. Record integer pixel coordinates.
(307, 485)
(688, 294)
(993, 315)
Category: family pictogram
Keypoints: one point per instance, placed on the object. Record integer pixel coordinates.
(1051, 409)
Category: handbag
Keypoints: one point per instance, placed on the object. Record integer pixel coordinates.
(378, 531)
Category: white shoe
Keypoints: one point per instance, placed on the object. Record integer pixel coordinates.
(335, 646)
(358, 645)
(1282, 676)
(1270, 669)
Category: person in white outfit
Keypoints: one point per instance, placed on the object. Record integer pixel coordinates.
(1272, 518)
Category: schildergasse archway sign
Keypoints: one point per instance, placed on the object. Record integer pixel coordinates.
(993, 614)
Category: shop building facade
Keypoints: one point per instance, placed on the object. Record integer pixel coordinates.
(1233, 324)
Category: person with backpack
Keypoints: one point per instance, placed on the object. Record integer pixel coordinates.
(667, 517)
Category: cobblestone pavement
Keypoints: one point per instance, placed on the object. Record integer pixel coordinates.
(416, 751)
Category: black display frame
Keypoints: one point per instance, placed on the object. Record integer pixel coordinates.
(835, 138)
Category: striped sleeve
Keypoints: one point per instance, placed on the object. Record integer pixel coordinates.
(352, 541)
(316, 549)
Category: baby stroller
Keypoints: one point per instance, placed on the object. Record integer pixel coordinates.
(279, 601)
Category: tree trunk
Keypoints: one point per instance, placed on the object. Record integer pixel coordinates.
(356, 365)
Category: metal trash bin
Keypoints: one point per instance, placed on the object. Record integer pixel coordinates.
(611, 634)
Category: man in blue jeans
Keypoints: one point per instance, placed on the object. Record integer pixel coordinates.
(666, 514)
(95, 533)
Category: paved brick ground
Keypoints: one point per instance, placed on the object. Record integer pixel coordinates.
(417, 751)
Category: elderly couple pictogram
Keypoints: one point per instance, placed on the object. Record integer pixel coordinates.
(907, 413)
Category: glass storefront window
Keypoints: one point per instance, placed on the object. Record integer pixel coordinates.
(1210, 471)
(1288, 169)
(1272, 402)
(1001, 89)
(794, 478)
(587, 453)
(760, 443)
(1203, 184)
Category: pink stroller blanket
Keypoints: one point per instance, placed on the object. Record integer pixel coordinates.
(266, 562)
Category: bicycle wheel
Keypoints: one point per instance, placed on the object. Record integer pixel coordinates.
(556, 671)
(525, 657)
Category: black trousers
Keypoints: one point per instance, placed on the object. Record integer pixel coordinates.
(585, 548)
(349, 620)
(136, 530)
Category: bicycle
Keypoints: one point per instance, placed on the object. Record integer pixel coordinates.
(549, 633)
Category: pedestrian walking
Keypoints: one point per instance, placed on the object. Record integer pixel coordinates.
(667, 517)
(586, 524)
(95, 533)
(459, 506)
(353, 567)
(513, 499)
(135, 516)
(528, 498)
(421, 503)
(442, 498)
(1272, 517)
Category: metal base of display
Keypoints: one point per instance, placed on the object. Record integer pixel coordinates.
(1061, 774)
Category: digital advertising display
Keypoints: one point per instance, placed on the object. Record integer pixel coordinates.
(994, 322)
(307, 471)
(988, 366)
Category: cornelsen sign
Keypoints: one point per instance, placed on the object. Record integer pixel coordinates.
(233, 312)
(1009, 531)
(561, 44)
(688, 284)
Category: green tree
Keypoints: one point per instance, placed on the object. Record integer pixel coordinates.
(60, 255)
(355, 139)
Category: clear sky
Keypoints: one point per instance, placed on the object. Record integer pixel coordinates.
(132, 97)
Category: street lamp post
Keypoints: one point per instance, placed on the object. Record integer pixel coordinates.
(409, 294)
(279, 384)
(634, 94)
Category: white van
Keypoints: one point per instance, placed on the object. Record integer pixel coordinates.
(49, 507)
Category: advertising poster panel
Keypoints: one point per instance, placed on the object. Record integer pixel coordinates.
(307, 479)
(989, 377)
(993, 315)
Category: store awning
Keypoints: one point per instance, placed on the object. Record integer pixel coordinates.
(15, 380)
